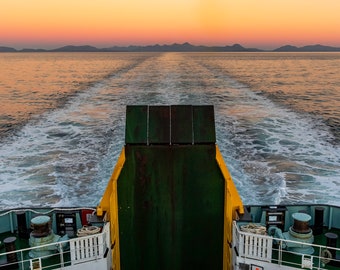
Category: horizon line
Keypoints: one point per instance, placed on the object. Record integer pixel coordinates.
(163, 45)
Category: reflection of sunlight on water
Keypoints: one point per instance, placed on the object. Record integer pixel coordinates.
(252, 113)
(302, 81)
(36, 82)
(67, 155)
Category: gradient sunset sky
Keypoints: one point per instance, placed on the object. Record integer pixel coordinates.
(264, 24)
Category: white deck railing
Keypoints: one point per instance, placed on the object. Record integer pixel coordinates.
(71, 252)
(89, 248)
(260, 247)
(254, 246)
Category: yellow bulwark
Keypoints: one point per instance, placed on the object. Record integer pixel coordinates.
(232, 207)
(109, 205)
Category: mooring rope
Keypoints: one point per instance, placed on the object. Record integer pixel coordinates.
(88, 230)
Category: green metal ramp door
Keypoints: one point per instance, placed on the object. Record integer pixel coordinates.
(171, 194)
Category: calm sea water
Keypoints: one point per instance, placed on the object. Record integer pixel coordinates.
(62, 119)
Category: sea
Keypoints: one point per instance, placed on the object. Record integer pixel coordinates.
(62, 120)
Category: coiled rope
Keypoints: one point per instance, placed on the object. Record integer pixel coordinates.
(326, 256)
(88, 230)
(254, 228)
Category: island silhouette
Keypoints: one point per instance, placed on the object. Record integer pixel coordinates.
(175, 47)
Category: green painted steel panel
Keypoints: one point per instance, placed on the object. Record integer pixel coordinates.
(159, 124)
(177, 124)
(171, 208)
(136, 124)
(181, 124)
(204, 124)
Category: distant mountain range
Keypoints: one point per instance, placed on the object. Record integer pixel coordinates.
(308, 48)
(185, 47)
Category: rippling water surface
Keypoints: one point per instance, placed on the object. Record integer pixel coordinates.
(62, 119)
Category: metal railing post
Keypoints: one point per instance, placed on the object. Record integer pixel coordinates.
(61, 252)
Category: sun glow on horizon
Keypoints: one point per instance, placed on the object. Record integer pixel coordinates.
(105, 23)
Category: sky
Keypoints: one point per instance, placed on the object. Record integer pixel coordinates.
(265, 24)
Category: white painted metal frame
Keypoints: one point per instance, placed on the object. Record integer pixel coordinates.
(258, 249)
(87, 252)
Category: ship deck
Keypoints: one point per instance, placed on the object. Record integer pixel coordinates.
(73, 251)
(294, 260)
(23, 260)
(59, 259)
(249, 249)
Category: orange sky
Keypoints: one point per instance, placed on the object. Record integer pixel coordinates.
(104, 23)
